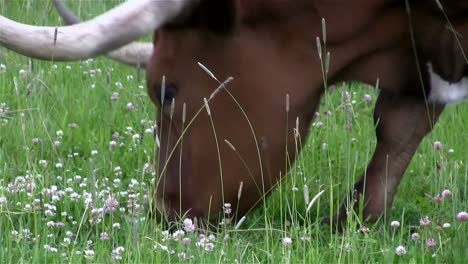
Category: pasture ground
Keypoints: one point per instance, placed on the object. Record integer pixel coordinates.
(76, 168)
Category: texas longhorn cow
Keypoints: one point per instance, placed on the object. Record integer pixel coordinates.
(270, 48)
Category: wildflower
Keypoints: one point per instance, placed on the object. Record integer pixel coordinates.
(104, 236)
(59, 133)
(73, 125)
(50, 249)
(317, 124)
(165, 235)
(347, 247)
(346, 95)
(111, 205)
(66, 241)
(116, 226)
(446, 225)
(162, 247)
(446, 193)
(182, 256)
(57, 144)
(450, 151)
(130, 106)
(36, 141)
(114, 96)
(28, 207)
(287, 241)
(2, 68)
(68, 67)
(23, 73)
(58, 165)
(3, 200)
(431, 243)
(186, 241)
(438, 199)
(117, 253)
(395, 224)
(119, 85)
(209, 246)
(75, 196)
(400, 251)
(178, 234)
(367, 98)
(189, 227)
(43, 163)
(89, 254)
(227, 208)
(112, 145)
(324, 146)
(94, 152)
(364, 229)
(14, 233)
(462, 216)
(437, 145)
(424, 221)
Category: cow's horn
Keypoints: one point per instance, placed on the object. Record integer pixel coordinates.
(134, 53)
(104, 33)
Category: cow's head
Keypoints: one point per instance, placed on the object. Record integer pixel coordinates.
(222, 120)
(221, 87)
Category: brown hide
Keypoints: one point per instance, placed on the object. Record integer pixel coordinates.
(440, 36)
(269, 47)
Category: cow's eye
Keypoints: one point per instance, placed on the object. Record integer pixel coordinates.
(166, 94)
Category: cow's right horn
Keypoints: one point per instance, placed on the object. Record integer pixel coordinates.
(102, 34)
(134, 53)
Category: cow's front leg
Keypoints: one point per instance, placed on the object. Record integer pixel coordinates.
(401, 123)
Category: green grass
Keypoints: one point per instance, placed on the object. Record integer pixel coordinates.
(36, 196)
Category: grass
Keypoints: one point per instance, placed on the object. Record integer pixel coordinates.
(62, 165)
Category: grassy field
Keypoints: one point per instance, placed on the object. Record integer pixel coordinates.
(77, 165)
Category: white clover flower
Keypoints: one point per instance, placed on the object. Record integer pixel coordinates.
(400, 251)
(287, 241)
(395, 224)
(89, 254)
(43, 163)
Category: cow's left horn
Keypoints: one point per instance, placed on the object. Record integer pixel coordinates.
(104, 33)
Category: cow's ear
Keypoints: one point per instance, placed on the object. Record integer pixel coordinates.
(218, 16)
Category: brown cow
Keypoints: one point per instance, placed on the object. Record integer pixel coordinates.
(270, 48)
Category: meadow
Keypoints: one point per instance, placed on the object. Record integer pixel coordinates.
(77, 167)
